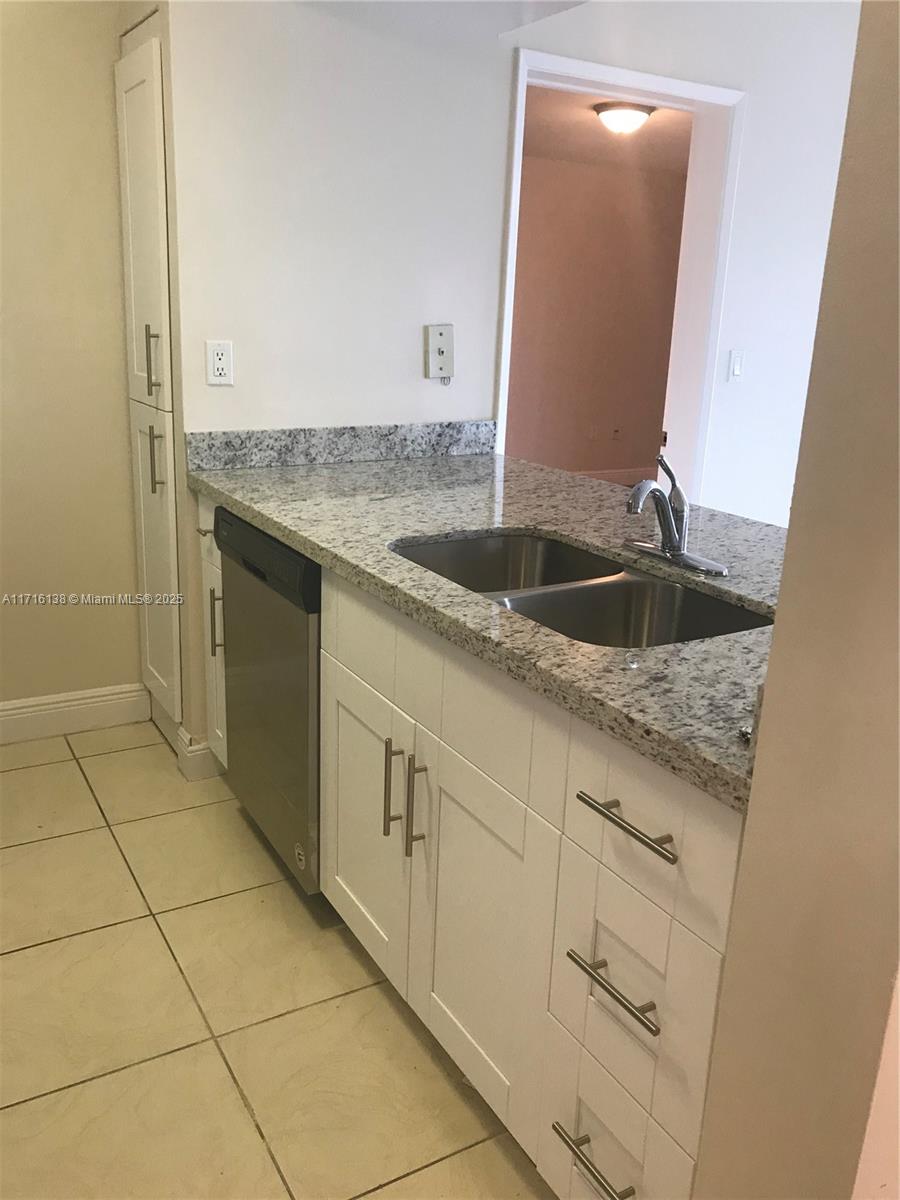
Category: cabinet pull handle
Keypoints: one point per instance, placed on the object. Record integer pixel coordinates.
(148, 339)
(389, 755)
(594, 1174)
(213, 644)
(658, 845)
(411, 772)
(204, 532)
(637, 1011)
(155, 481)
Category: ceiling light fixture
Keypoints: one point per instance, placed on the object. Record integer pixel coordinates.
(622, 116)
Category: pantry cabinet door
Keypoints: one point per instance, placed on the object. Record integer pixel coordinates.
(214, 650)
(481, 932)
(366, 874)
(142, 179)
(153, 472)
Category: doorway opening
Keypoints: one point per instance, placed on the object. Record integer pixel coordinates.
(600, 216)
(615, 261)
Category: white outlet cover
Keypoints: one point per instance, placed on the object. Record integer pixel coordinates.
(219, 364)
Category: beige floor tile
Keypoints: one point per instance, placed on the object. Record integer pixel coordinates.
(495, 1170)
(90, 1003)
(171, 1129)
(42, 802)
(33, 754)
(118, 737)
(196, 855)
(264, 952)
(64, 885)
(353, 1092)
(141, 783)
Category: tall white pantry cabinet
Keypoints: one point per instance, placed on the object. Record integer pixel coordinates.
(142, 175)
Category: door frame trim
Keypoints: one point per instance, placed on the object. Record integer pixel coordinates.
(718, 114)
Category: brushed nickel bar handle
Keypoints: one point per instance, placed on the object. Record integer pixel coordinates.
(637, 1011)
(155, 481)
(389, 755)
(204, 532)
(411, 772)
(594, 1174)
(213, 644)
(657, 845)
(148, 339)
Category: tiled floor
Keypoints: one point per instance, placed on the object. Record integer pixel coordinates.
(178, 1021)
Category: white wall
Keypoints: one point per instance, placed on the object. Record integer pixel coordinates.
(794, 61)
(812, 949)
(341, 174)
(340, 180)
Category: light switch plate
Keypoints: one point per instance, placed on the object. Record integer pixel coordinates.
(219, 364)
(439, 352)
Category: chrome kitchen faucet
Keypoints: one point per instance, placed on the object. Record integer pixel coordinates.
(673, 513)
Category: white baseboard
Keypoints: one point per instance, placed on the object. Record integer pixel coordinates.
(196, 760)
(72, 712)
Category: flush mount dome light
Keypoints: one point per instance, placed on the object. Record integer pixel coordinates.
(623, 117)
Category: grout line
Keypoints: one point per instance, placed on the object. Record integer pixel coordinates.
(53, 837)
(199, 1007)
(66, 1087)
(424, 1167)
(300, 1008)
(31, 766)
(125, 749)
(224, 896)
(170, 812)
(75, 933)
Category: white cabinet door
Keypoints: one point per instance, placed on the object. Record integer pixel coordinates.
(481, 930)
(153, 469)
(365, 742)
(213, 625)
(142, 177)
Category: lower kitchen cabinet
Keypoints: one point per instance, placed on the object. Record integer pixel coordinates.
(481, 932)
(213, 626)
(153, 469)
(365, 740)
(606, 1132)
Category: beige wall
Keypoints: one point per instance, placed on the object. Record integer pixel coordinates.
(596, 266)
(812, 953)
(65, 479)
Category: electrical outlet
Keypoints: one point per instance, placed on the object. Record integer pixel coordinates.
(219, 364)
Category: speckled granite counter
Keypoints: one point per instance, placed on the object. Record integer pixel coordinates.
(681, 706)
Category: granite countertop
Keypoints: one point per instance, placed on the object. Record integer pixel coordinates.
(681, 706)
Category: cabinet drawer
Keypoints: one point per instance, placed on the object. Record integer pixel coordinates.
(650, 959)
(209, 551)
(704, 834)
(625, 1145)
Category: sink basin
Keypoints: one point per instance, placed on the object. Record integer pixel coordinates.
(633, 610)
(498, 563)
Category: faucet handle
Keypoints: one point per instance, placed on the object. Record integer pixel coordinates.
(666, 470)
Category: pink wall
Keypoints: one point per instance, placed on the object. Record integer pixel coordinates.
(595, 290)
(878, 1175)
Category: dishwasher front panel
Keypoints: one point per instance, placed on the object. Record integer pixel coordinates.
(272, 697)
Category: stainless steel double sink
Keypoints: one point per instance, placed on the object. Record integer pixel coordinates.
(578, 593)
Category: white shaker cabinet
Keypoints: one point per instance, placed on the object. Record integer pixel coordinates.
(153, 472)
(365, 740)
(213, 625)
(481, 930)
(142, 177)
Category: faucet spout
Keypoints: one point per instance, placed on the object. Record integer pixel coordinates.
(649, 488)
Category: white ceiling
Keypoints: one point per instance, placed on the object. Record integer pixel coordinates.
(563, 125)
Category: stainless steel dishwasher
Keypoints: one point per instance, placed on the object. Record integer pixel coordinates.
(271, 602)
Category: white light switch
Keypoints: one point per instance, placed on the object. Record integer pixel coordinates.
(736, 365)
(219, 364)
(439, 352)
